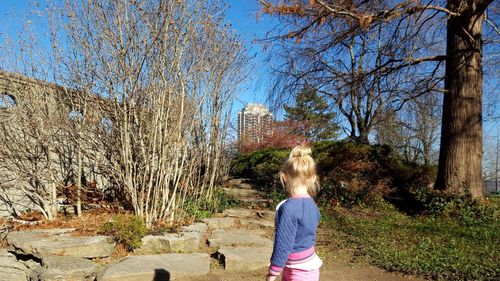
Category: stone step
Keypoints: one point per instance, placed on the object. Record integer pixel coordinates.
(243, 193)
(255, 200)
(239, 213)
(239, 183)
(59, 268)
(158, 267)
(239, 237)
(219, 223)
(186, 241)
(243, 259)
(59, 242)
(243, 213)
(11, 269)
(257, 223)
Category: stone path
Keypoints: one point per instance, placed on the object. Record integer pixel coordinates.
(238, 240)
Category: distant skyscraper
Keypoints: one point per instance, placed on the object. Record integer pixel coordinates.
(254, 122)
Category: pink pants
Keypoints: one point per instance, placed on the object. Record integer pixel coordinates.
(293, 274)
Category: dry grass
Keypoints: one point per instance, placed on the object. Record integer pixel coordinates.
(89, 223)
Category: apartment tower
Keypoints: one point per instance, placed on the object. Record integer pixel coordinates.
(254, 123)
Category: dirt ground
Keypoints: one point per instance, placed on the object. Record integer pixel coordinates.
(338, 264)
(331, 270)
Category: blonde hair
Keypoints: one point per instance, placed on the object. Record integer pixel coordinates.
(300, 170)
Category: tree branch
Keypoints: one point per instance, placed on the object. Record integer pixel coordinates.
(338, 12)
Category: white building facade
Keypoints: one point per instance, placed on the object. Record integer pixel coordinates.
(254, 123)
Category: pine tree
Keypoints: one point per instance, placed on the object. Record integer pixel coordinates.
(313, 112)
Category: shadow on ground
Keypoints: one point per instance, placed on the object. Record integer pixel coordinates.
(161, 275)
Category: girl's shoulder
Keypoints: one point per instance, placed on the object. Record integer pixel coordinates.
(280, 204)
(293, 203)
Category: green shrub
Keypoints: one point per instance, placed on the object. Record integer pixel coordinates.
(200, 208)
(262, 166)
(351, 174)
(127, 230)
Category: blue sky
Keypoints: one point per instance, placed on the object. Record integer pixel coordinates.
(242, 14)
(251, 26)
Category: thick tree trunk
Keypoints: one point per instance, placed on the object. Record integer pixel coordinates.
(461, 150)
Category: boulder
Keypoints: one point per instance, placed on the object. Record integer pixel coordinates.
(57, 242)
(244, 258)
(157, 267)
(60, 268)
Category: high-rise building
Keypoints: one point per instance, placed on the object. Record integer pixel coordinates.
(254, 122)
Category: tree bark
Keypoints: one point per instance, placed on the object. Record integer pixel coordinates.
(461, 149)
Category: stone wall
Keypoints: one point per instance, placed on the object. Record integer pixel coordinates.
(15, 90)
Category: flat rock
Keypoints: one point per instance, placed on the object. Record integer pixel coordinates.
(153, 244)
(186, 243)
(157, 267)
(40, 243)
(256, 223)
(11, 269)
(239, 213)
(59, 268)
(239, 183)
(255, 200)
(243, 192)
(233, 238)
(218, 223)
(183, 242)
(265, 214)
(197, 227)
(244, 258)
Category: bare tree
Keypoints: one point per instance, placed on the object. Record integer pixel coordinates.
(413, 130)
(147, 99)
(366, 68)
(29, 137)
(407, 28)
(165, 73)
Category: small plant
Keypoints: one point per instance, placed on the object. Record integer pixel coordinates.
(126, 230)
(204, 208)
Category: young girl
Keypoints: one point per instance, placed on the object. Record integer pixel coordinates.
(296, 221)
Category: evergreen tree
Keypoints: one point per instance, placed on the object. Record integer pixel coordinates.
(312, 111)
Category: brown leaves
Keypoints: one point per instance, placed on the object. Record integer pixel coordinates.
(365, 21)
(295, 10)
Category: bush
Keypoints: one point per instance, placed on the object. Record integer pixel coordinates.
(127, 230)
(204, 208)
(261, 166)
(351, 174)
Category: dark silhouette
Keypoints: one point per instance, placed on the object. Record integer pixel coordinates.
(161, 275)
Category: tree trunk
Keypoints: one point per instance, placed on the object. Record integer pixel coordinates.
(461, 149)
(79, 184)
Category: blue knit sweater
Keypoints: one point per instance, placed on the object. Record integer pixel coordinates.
(296, 222)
